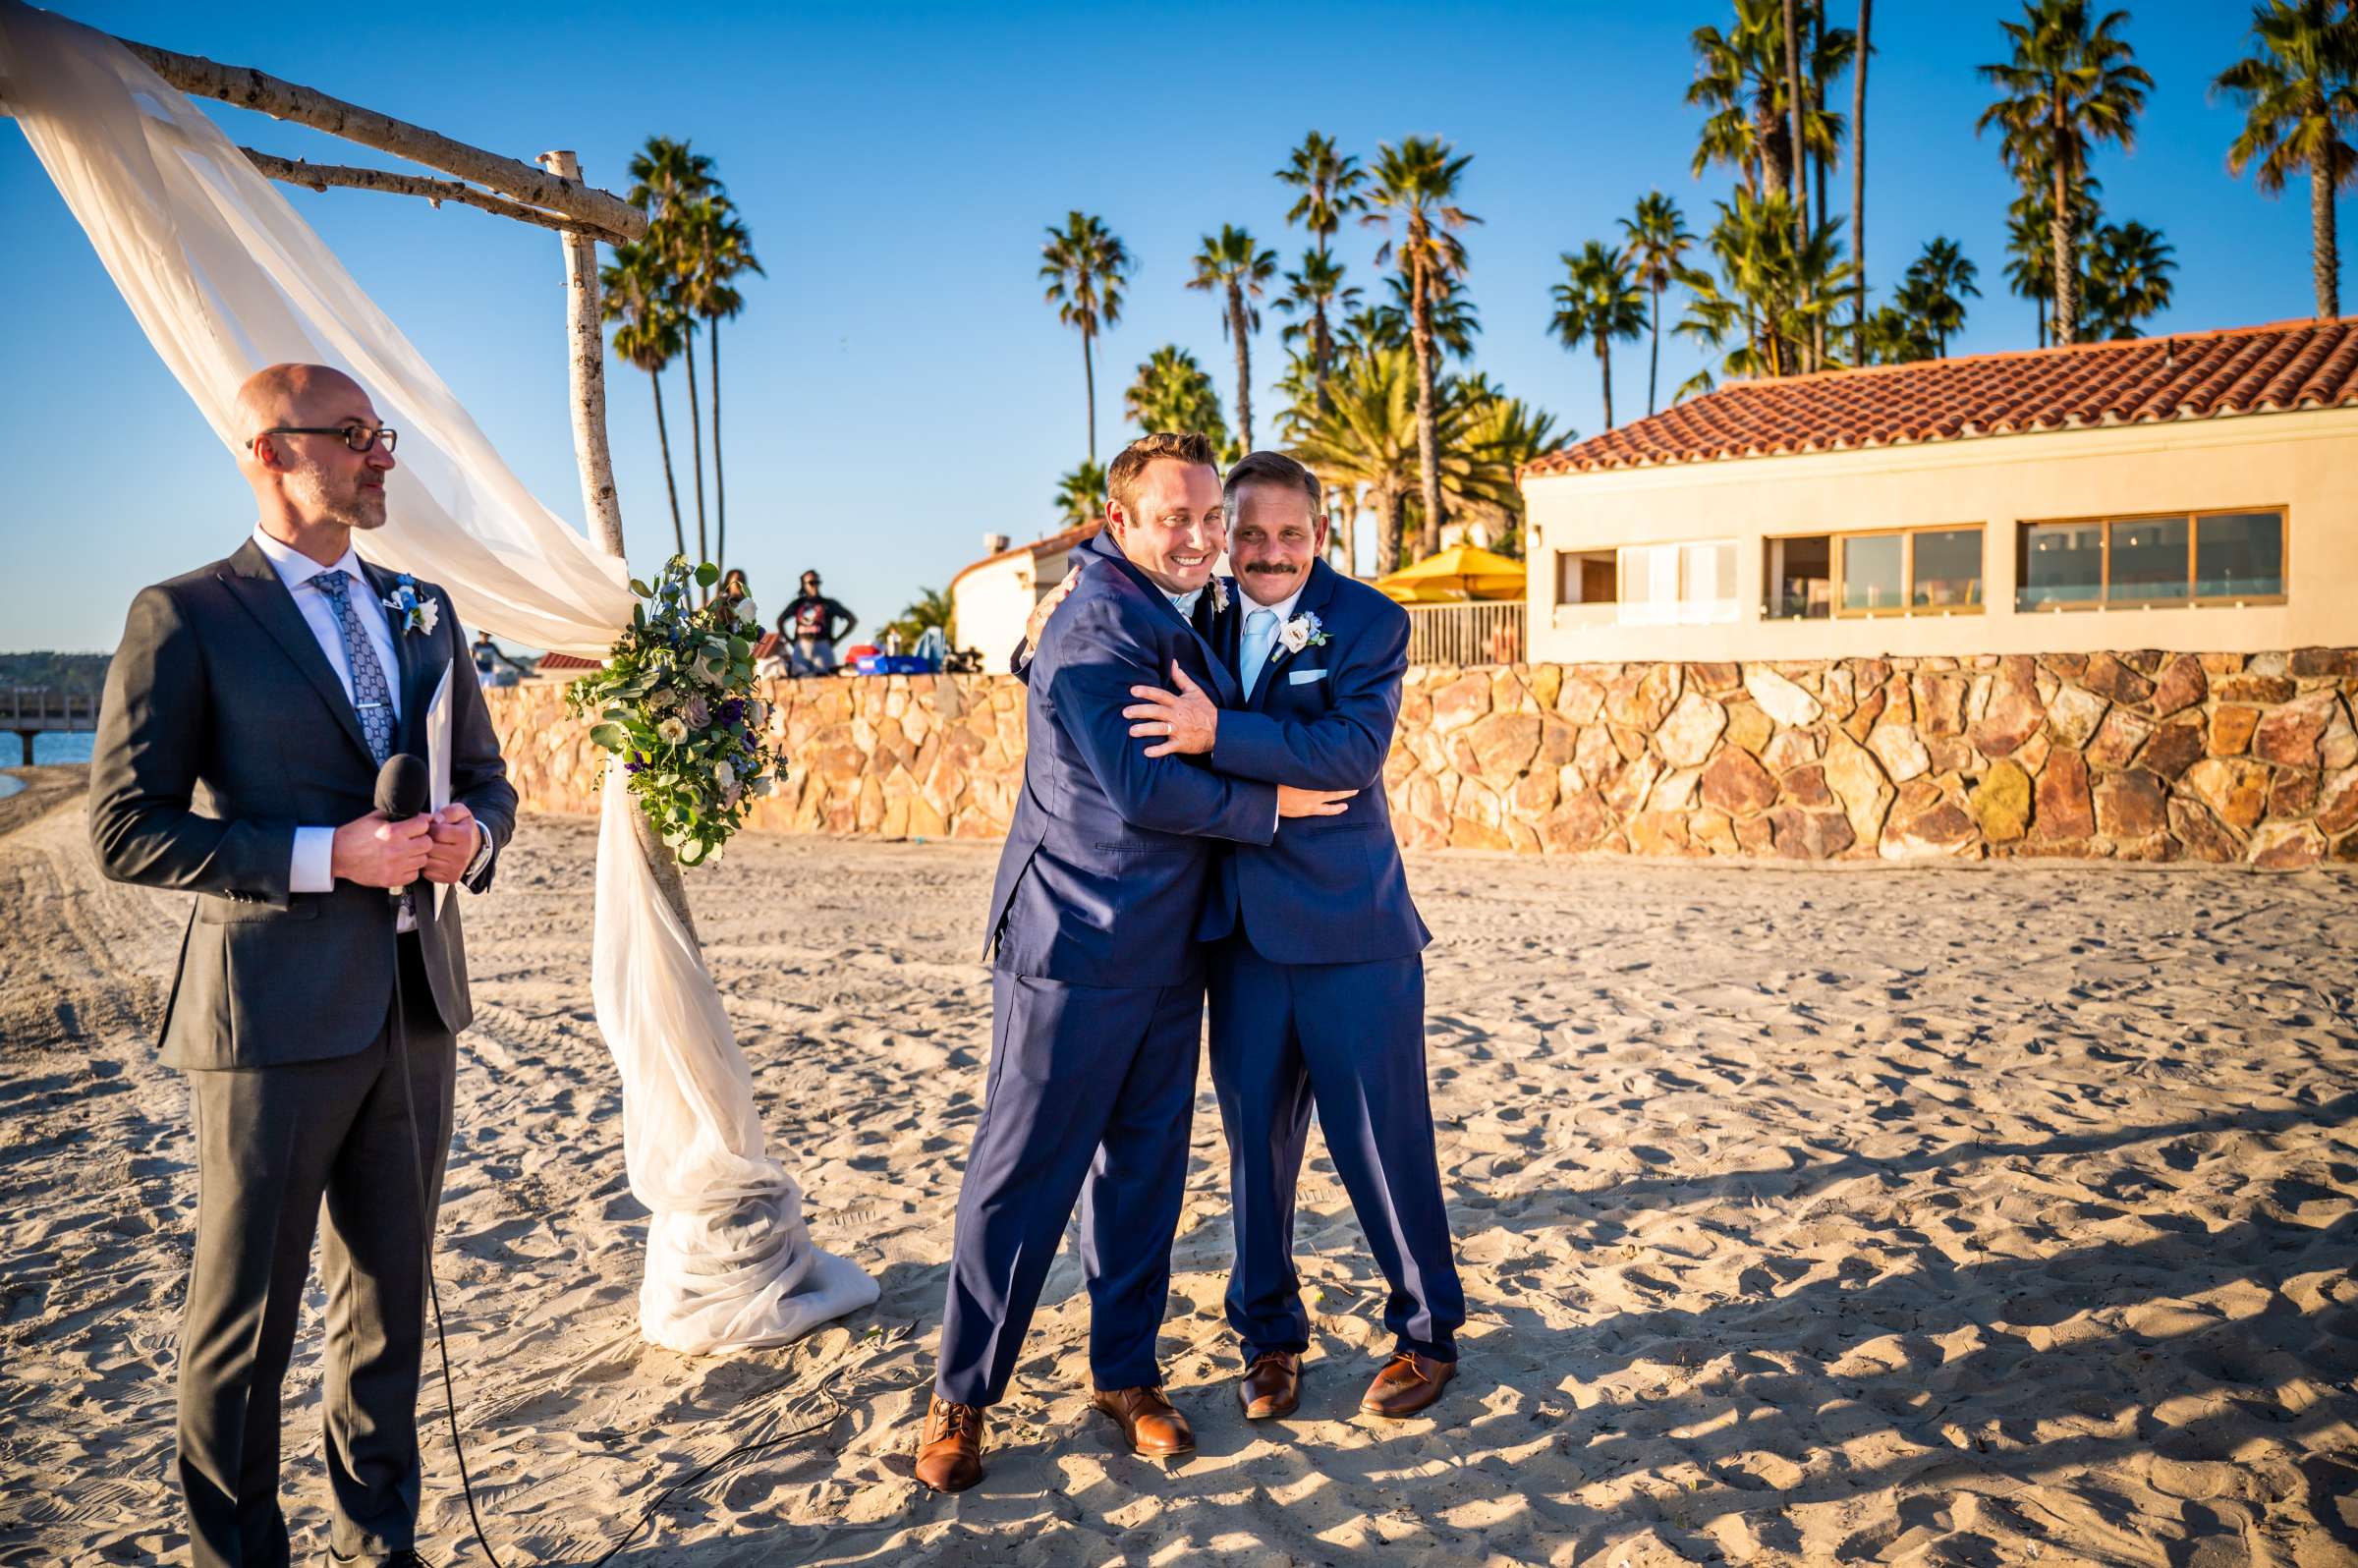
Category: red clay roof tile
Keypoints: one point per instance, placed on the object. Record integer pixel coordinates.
(2274, 369)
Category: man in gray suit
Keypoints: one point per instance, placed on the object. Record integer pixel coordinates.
(248, 709)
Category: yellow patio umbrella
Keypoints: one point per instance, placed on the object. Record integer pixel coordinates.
(1460, 572)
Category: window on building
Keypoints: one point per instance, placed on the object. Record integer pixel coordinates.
(1879, 572)
(2240, 555)
(1688, 583)
(2175, 558)
(1800, 577)
(1585, 577)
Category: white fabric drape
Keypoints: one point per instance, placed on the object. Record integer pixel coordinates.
(225, 278)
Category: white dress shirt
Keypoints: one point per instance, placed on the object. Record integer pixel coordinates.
(315, 847)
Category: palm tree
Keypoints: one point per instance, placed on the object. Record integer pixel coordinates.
(1770, 293)
(667, 177)
(1316, 289)
(1456, 320)
(1502, 434)
(717, 249)
(1658, 244)
(1796, 96)
(1896, 335)
(1085, 268)
(2071, 82)
(1369, 440)
(2300, 97)
(1935, 290)
(931, 608)
(1736, 79)
(1230, 263)
(2128, 278)
(1081, 494)
(1416, 186)
(1598, 302)
(1329, 182)
(1173, 392)
(1858, 174)
(651, 329)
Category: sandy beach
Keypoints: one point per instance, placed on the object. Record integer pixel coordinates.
(1960, 1217)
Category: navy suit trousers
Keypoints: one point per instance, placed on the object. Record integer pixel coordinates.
(1090, 1095)
(1350, 1040)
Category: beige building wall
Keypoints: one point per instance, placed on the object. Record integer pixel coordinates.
(994, 598)
(2306, 462)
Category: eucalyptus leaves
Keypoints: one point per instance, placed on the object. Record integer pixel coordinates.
(675, 701)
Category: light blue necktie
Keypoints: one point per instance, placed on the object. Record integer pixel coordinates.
(1260, 625)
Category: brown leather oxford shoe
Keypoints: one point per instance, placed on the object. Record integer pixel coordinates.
(1271, 1385)
(1407, 1383)
(1153, 1425)
(949, 1451)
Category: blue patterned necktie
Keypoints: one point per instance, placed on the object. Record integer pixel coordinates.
(371, 696)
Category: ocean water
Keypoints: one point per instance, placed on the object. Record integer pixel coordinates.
(47, 747)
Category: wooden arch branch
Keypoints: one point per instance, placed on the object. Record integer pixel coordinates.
(285, 100)
(321, 176)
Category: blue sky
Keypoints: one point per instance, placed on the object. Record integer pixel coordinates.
(896, 388)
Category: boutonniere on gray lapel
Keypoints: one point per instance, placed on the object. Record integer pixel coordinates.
(1303, 630)
(412, 610)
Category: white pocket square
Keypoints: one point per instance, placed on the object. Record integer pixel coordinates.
(1304, 676)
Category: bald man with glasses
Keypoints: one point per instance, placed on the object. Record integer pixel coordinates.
(247, 710)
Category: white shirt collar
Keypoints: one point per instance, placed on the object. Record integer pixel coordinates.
(295, 568)
(1284, 606)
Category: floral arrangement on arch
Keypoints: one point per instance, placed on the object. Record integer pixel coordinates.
(675, 701)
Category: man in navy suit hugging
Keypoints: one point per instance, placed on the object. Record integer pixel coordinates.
(1316, 979)
(1098, 986)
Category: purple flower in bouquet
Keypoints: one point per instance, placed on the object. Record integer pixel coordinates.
(697, 713)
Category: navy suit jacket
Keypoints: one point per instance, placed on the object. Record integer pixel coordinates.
(1108, 860)
(1326, 889)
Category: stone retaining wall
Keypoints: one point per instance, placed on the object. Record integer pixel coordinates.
(2132, 755)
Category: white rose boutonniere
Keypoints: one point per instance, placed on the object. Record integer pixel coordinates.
(412, 610)
(1303, 630)
(1219, 595)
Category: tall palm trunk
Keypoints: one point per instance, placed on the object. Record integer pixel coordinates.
(679, 542)
(1858, 185)
(2068, 263)
(720, 488)
(2324, 256)
(1801, 155)
(1244, 363)
(1429, 457)
(2041, 305)
(1817, 100)
(1388, 500)
(1322, 347)
(696, 429)
(1654, 362)
(1346, 531)
(1089, 381)
(1604, 368)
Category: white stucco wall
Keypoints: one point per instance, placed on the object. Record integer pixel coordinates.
(2305, 462)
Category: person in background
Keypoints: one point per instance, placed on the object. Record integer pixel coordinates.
(809, 625)
(492, 665)
(733, 591)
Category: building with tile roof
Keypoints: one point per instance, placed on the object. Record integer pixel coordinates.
(2195, 492)
(992, 599)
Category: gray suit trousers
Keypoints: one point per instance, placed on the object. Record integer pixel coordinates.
(276, 1147)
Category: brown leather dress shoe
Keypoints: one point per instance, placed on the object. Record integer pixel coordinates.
(949, 1451)
(1271, 1385)
(1407, 1383)
(1153, 1425)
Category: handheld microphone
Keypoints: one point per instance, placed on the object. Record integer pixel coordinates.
(402, 791)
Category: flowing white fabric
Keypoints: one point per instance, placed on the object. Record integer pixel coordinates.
(225, 278)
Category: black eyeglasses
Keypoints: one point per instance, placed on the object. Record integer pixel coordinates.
(359, 437)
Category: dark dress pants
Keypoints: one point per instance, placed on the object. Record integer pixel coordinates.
(1350, 1040)
(1091, 1095)
(276, 1147)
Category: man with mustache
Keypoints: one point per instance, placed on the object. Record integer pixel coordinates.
(247, 710)
(1097, 984)
(1316, 979)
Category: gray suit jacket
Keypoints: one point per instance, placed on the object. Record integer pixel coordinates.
(224, 729)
